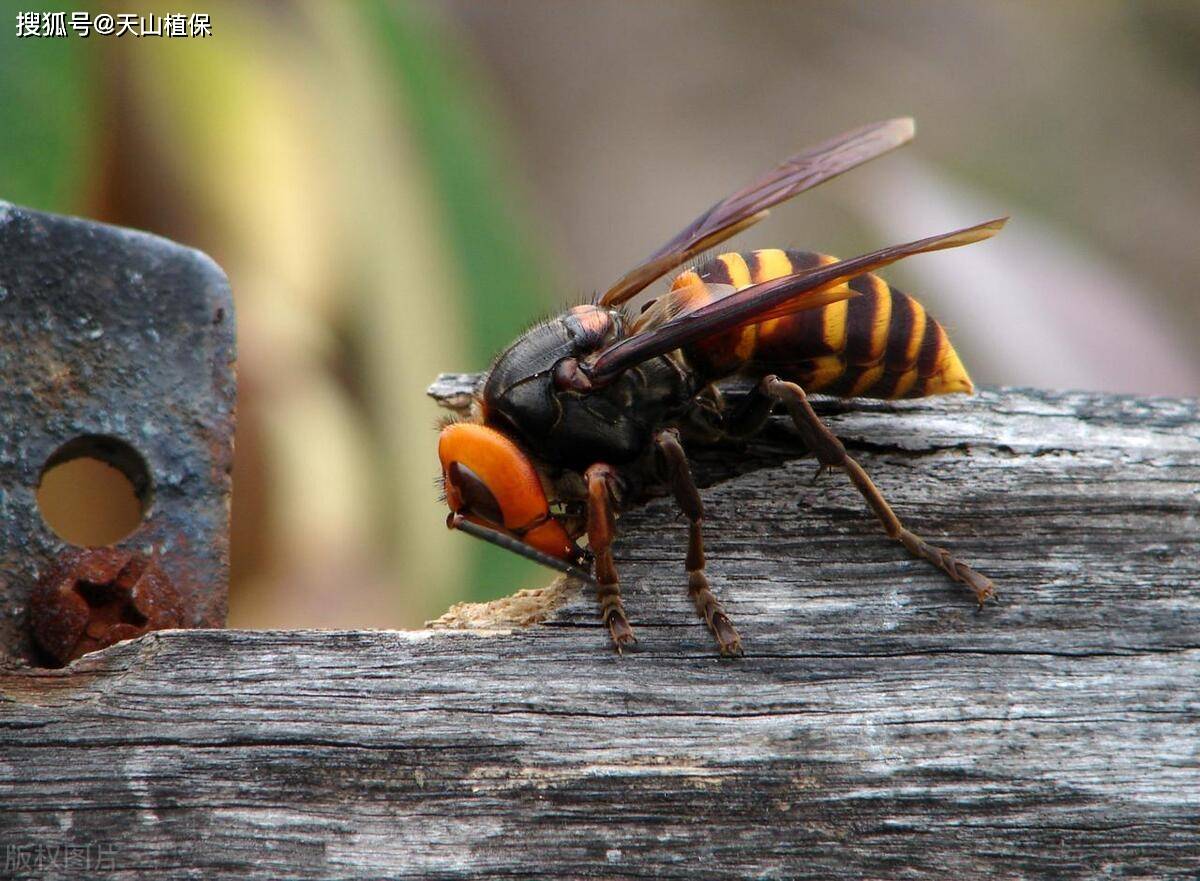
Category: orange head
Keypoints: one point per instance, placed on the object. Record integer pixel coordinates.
(489, 481)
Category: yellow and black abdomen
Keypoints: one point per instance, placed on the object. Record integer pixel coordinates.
(878, 344)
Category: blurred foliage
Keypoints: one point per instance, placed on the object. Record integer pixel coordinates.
(504, 277)
(49, 146)
(1170, 32)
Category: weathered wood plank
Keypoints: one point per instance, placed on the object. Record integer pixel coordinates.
(879, 726)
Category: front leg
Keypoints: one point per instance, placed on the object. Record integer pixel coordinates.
(679, 476)
(601, 528)
(831, 454)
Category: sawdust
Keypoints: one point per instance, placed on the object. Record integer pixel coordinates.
(522, 609)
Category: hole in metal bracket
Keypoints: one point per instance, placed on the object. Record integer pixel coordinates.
(94, 490)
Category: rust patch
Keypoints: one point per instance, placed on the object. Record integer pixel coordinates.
(98, 597)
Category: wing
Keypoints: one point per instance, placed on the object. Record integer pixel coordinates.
(677, 302)
(749, 205)
(761, 302)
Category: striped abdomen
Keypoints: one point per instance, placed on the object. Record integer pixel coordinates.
(879, 344)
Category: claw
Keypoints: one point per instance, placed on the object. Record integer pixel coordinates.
(621, 644)
(984, 589)
(728, 641)
(621, 633)
(979, 584)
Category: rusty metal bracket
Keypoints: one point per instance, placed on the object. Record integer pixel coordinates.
(118, 345)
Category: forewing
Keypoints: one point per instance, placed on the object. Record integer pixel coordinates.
(749, 205)
(677, 302)
(790, 293)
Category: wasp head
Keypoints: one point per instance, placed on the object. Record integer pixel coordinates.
(489, 481)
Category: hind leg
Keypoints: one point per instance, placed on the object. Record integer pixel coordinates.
(831, 453)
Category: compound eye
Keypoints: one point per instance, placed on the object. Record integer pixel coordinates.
(476, 496)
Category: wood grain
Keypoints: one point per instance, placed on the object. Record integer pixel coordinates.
(879, 725)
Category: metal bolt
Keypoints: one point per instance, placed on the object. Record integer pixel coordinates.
(95, 597)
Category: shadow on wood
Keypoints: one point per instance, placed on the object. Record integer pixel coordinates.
(879, 724)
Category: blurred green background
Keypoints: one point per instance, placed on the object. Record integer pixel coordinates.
(397, 188)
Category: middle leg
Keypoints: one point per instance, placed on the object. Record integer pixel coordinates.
(679, 476)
